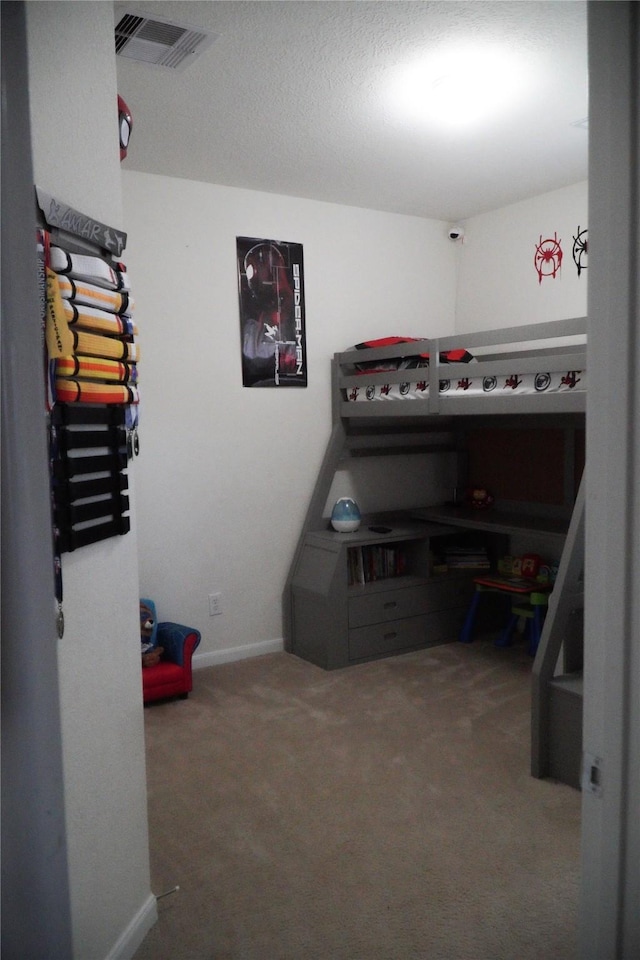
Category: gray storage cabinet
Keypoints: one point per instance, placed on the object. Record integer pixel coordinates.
(337, 623)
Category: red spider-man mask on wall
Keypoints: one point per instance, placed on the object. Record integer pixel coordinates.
(125, 124)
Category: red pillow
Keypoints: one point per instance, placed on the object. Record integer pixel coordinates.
(405, 363)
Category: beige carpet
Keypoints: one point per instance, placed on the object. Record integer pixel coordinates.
(382, 812)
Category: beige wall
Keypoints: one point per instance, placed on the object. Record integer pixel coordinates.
(497, 282)
(75, 157)
(227, 472)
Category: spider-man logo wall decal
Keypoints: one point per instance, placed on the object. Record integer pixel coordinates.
(548, 257)
(581, 250)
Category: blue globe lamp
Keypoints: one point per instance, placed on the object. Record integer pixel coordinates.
(345, 516)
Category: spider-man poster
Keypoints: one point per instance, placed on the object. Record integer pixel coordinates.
(272, 316)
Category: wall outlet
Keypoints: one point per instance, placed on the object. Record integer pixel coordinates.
(215, 604)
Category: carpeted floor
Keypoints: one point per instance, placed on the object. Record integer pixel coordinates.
(382, 812)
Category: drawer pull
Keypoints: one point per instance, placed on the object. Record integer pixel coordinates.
(390, 604)
(390, 636)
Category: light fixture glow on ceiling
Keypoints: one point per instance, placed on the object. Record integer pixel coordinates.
(459, 88)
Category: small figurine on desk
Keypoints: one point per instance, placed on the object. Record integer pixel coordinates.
(480, 498)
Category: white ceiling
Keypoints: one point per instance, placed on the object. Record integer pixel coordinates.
(292, 98)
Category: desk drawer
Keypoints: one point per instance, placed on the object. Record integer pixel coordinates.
(395, 604)
(383, 638)
(380, 638)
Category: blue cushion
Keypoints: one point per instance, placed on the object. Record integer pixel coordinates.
(172, 636)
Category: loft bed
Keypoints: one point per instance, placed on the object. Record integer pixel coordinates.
(519, 380)
(537, 368)
(532, 375)
(438, 421)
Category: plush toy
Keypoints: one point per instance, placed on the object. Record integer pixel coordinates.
(151, 652)
(479, 498)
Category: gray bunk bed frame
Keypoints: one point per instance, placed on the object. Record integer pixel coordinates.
(430, 425)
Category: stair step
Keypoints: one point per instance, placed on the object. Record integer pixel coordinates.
(565, 728)
(570, 683)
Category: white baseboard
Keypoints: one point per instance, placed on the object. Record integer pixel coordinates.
(214, 658)
(133, 935)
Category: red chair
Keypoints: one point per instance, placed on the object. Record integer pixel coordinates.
(171, 677)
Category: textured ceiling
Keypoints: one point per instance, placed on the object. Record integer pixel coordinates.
(292, 98)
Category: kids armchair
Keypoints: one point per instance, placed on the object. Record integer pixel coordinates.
(167, 649)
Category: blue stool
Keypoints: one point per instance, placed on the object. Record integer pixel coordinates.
(532, 611)
(528, 601)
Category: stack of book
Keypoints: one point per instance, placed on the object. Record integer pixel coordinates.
(459, 557)
(370, 563)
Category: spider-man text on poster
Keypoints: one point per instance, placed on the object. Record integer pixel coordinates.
(272, 314)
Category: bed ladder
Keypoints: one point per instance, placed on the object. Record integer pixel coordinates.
(557, 684)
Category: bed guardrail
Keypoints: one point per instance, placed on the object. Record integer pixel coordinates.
(537, 368)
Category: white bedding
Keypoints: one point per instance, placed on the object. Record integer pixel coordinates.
(511, 385)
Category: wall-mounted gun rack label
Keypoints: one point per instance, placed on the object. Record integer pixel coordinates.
(92, 374)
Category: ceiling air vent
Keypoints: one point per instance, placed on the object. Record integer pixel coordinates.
(159, 42)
